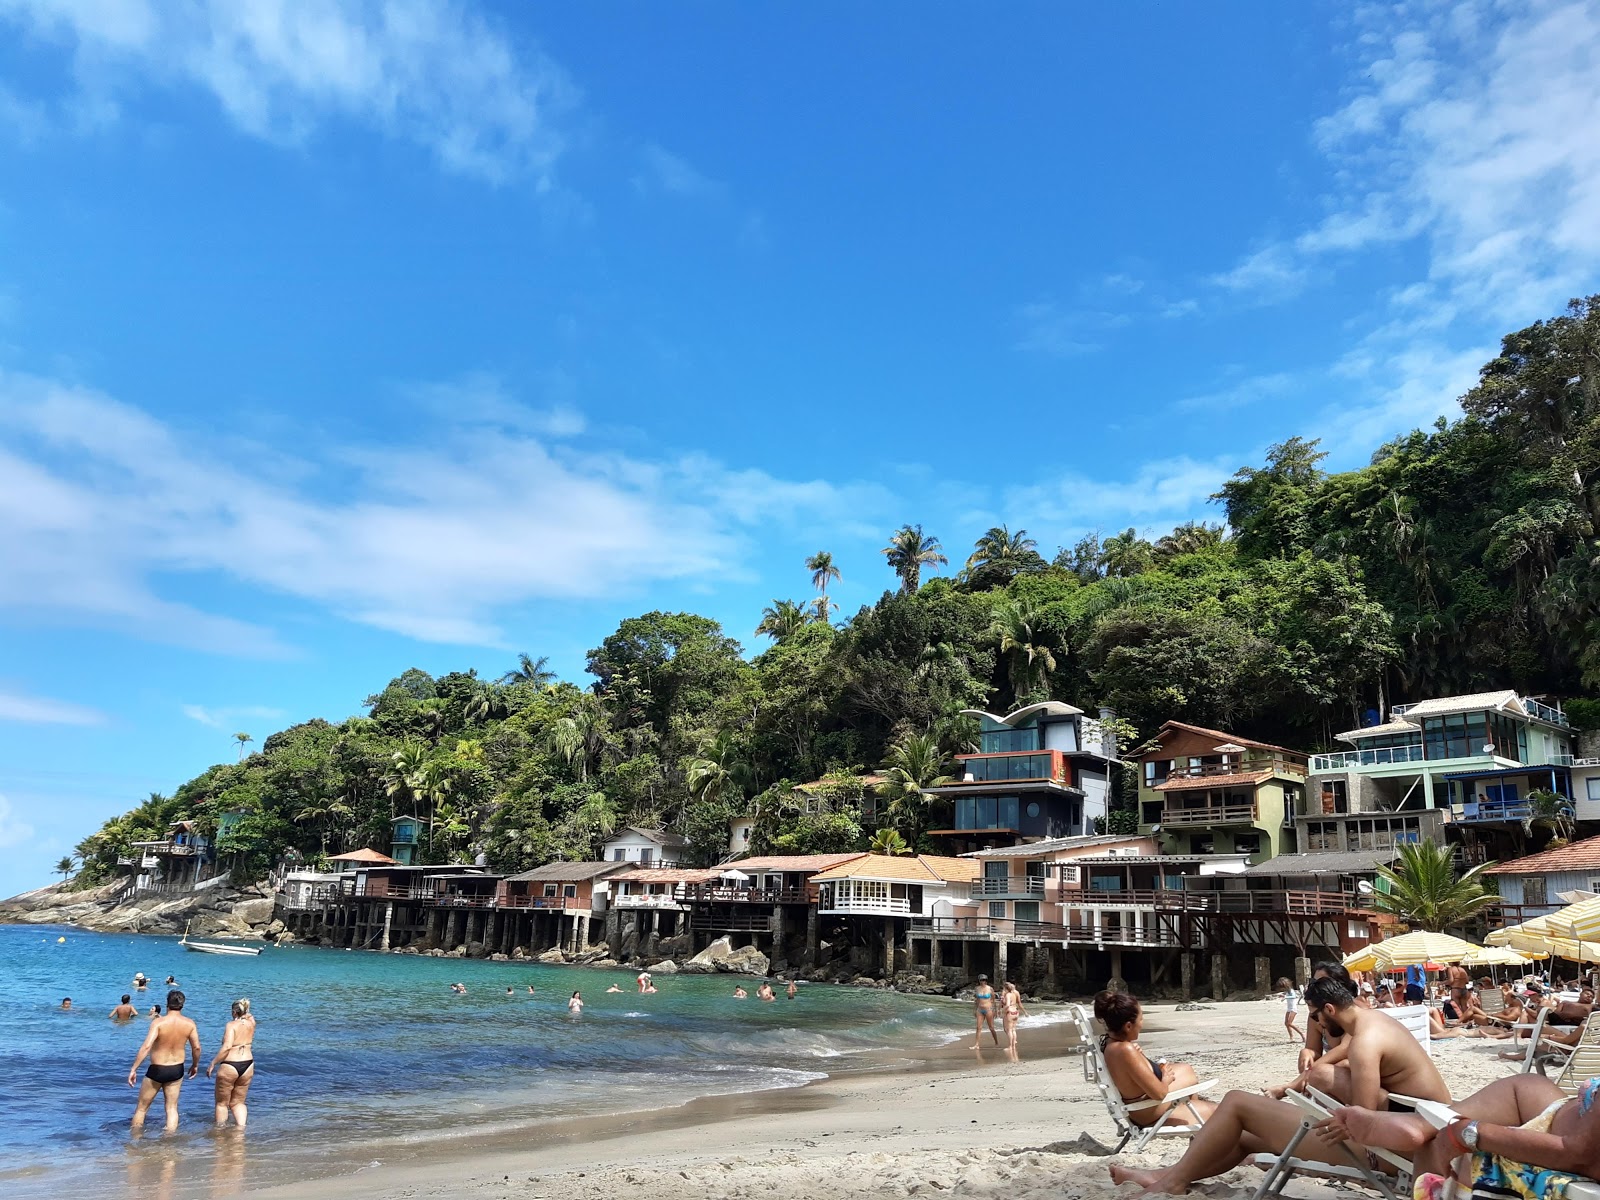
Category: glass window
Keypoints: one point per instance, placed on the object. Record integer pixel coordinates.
(1594, 788)
(1033, 808)
(1006, 818)
(997, 910)
(985, 808)
(570, 890)
(549, 889)
(964, 813)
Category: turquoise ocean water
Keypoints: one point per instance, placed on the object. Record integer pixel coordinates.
(357, 1052)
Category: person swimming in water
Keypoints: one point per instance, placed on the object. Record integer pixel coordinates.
(165, 1045)
(983, 1012)
(764, 992)
(791, 990)
(234, 1067)
(612, 988)
(124, 1011)
(66, 1004)
(575, 1005)
(739, 993)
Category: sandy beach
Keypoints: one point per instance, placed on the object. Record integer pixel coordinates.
(958, 1123)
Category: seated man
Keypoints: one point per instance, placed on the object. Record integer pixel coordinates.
(1383, 1058)
(1518, 1127)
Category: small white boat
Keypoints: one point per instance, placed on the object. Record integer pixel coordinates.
(216, 947)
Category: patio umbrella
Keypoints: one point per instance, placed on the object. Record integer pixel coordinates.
(1360, 960)
(1495, 956)
(1419, 947)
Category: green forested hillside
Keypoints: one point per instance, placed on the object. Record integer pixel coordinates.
(1463, 558)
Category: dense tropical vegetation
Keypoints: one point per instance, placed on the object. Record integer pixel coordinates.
(1462, 558)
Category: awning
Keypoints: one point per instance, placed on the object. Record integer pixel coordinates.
(1503, 772)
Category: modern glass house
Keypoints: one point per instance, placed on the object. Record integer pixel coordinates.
(1471, 759)
(1039, 772)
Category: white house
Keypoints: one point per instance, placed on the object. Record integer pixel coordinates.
(647, 847)
(739, 831)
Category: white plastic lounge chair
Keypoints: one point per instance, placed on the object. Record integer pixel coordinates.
(1315, 1108)
(1140, 1136)
(1415, 1018)
(1583, 1060)
(1542, 1053)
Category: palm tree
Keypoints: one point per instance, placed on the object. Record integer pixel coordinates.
(1126, 554)
(823, 572)
(1553, 811)
(1189, 538)
(780, 620)
(1029, 659)
(915, 763)
(908, 551)
(244, 739)
(64, 865)
(403, 777)
(822, 609)
(888, 841)
(999, 556)
(531, 670)
(599, 814)
(488, 702)
(581, 739)
(432, 784)
(1426, 893)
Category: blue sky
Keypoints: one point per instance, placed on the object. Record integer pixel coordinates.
(339, 339)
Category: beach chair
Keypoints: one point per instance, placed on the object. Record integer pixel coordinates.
(1583, 1060)
(1120, 1110)
(1415, 1018)
(1542, 1053)
(1494, 1006)
(1315, 1108)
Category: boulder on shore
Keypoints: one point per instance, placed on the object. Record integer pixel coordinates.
(253, 912)
(708, 960)
(665, 967)
(553, 956)
(746, 960)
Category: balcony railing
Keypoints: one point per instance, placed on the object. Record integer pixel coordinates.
(1212, 814)
(1380, 756)
(1492, 810)
(1545, 713)
(1274, 763)
(658, 900)
(889, 906)
(1013, 765)
(1030, 888)
(702, 894)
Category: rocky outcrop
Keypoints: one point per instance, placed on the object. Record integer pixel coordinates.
(210, 912)
(720, 956)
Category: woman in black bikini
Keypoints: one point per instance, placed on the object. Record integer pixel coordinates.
(234, 1066)
(1137, 1076)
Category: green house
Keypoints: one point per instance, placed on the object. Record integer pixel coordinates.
(406, 834)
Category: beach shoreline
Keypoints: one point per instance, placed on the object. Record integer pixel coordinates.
(956, 1122)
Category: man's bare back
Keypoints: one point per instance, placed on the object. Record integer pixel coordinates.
(166, 1042)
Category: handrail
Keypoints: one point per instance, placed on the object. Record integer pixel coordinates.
(1208, 814)
(1378, 756)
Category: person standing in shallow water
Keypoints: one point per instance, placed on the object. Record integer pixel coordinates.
(165, 1044)
(234, 1067)
(983, 1012)
(124, 1011)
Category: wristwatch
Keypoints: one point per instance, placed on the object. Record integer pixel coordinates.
(1468, 1134)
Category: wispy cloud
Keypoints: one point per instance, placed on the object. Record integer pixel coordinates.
(229, 717)
(1272, 272)
(13, 830)
(436, 74)
(662, 171)
(431, 539)
(40, 710)
(1242, 392)
(1159, 495)
(1046, 327)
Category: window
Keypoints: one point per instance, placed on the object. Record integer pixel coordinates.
(1033, 808)
(1202, 845)
(1334, 800)
(619, 855)
(1152, 812)
(1533, 891)
(1594, 787)
(549, 889)
(570, 891)
(1247, 843)
(997, 910)
(647, 856)
(1005, 741)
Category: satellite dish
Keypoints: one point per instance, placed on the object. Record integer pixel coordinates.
(1364, 887)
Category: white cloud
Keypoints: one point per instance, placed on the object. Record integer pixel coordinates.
(430, 72)
(1242, 392)
(662, 171)
(1045, 327)
(229, 717)
(429, 540)
(13, 832)
(1161, 494)
(40, 710)
(1269, 273)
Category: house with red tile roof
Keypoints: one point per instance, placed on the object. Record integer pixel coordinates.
(1534, 885)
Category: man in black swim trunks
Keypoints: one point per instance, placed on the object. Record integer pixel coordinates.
(169, 1037)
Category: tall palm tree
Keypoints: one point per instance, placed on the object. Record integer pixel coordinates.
(433, 784)
(582, 739)
(915, 763)
(488, 702)
(908, 551)
(780, 620)
(1000, 555)
(889, 841)
(822, 609)
(244, 739)
(1029, 661)
(402, 779)
(531, 670)
(64, 865)
(1126, 554)
(823, 572)
(1426, 893)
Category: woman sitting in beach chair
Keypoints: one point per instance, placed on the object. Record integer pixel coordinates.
(1517, 1137)
(1137, 1076)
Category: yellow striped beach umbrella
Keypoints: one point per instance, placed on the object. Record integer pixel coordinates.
(1495, 956)
(1418, 947)
(1360, 960)
(1580, 921)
